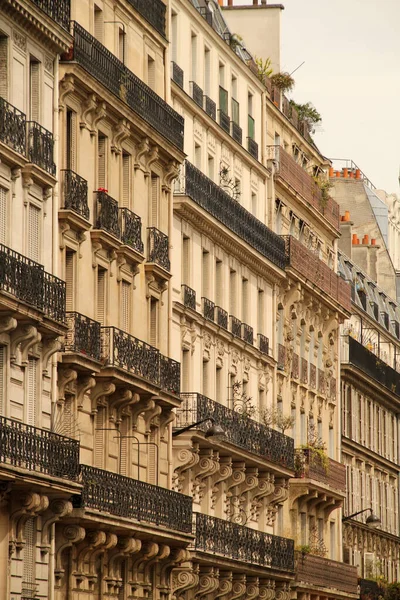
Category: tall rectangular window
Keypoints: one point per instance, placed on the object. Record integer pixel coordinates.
(3, 215)
(29, 559)
(151, 72)
(101, 161)
(207, 71)
(205, 274)
(126, 179)
(70, 279)
(185, 370)
(34, 89)
(232, 292)
(218, 283)
(3, 66)
(154, 207)
(206, 381)
(197, 156)
(254, 204)
(101, 295)
(174, 40)
(193, 56)
(245, 300)
(260, 311)
(31, 373)
(121, 44)
(70, 140)
(98, 23)
(154, 322)
(125, 306)
(34, 233)
(186, 260)
(210, 167)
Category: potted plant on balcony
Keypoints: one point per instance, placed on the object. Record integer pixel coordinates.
(324, 186)
(283, 81)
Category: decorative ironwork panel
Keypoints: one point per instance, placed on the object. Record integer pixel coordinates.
(118, 79)
(304, 371)
(247, 333)
(222, 317)
(170, 375)
(326, 573)
(224, 121)
(12, 127)
(210, 107)
(122, 350)
(40, 144)
(295, 366)
(125, 497)
(158, 248)
(83, 335)
(241, 430)
(54, 297)
(107, 215)
(177, 74)
(75, 193)
(153, 11)
(58, 10)
(234, 216)
(237, 542)
(313, 376)
(208, 309)
(263, 343)
(252, 147)
(281, 357)
(236, 326)
(236, 132)
(189, 296)
(131, 229)
(197, 93)
(373, 367)
(321, 381)
(38, 450)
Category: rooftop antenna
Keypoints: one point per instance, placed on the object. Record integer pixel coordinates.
(297, 68)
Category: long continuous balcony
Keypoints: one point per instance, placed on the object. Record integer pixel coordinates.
(12, 127)
(302, 183)
(40, 147)
(153, 11)
(58, 10)
(75, 193)
(122, 223)
(38, 450)
(373, 367)
(309, 465)
(122, 350)
(133, 499)
(26, 280)
(83, 336)
(317, 272)
(326, 573)
(235, 217)
(118, 79)
(240, 543)
(241, 431)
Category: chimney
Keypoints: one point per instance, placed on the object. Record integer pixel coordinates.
(346, 239)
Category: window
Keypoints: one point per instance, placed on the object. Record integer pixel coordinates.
(193, 54)
(218, 283)
(3, 215)
(197, 156)
(251, 127)
(174, 40)
(31, 374)
(70, 140)
(235, 103)
(260, 311)
(206, 383)
(151, 72)
(29, 559)
(101, 295)
(70, 257)
(254, 204)
(185, 370)
(153, 322)
(155, 185)
(126, 179)
(101, 161)
(34, 89)
(245, 300)
(98, 23)
(205, 274)
(223, 100)
(207, 71)
(232, 292)
(185, 260)
(34, 233)
(3, 66)
(210, 167)
(125, 306)
(219, 388)
(99, 437)
(121, 44)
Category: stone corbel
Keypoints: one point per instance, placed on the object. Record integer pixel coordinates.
(184, 579)
(7, 325)
(283, 591)
(25, 337)
(121, 132)
(176, 557)
(31, 505)
(96, 247)
(110, 542)
(207, 466)
(100, 390)
(150, 159)
(166, 417)
(71, 534)
(64, 227)
(88, 107)
(238, 587)
(47, 193)
(225, 471)
(187, 458)
(58, 508)
(151, 415)
(127, 546)
(264, 489)
(92, 541)
(49, 347)
(144, 148)
(83, 386)
(208, 582)
(67, 86)
(162, 555)
(122, 397)
(250, 482)
(148, 552)
(225, 585)
(65, 377)
(99, 114)
(252, 588)
(142, 407)
(171, 172)
(267, 590)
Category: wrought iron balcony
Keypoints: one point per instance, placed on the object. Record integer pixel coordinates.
(131, 229)
(263, 343)
(118, 79)
(302, 183)
(107, 215)
(133, 499)
(83, 336)
(235, 217)
(122, 350)
(236, 132)
(210, 107)
(29, 282)
(12, 127)
(177, 74)
(236, 326)
(309, 464)
(208, 309)
(38, 450)
(189, 296)
(158, 248)
(247, 333)
(241, 431)
(75, 193)
(237, 542)
(40, 144)
(252, 147)
(197, 93)
(222, 317)
(153, 11)
(58, 10)
(372, 366)
(317, 272)
(224, 121)
(323, 572)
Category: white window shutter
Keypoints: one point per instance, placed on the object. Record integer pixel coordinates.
(154, 200)
(101, 295)
(32, 391)
(99, 439)
(28, 582)
(34, 77)
(153, 322)
(2, 356)
(125, 306)
(126, 174)
(3, 208)
(101, 161)
(34, 233)
(69, 279)
(4, 67)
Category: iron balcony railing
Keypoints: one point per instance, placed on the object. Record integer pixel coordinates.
(196, 93)
(236, 326)
(39, 450)
(189, 296)
(133, 499)
(224, 121)
(237, 542)
(281, 357)
(29, 282)
(323, 572)
(247, 333)
(252, 147)
(222, 317)
(241, 431)
(236, 132)
(177, 74)
(153, 11)
(58, 10)
(83, 336)
(118, 79)
(122, 350)
(75, 193)
(311, 267)
(373, 366)
(208, 309)
(309, 464)
(263, 343)
(12, 127)
(233, 215)
(40, 147)
(131, 229)
(107, 215)
(210, 107)
(158, 248)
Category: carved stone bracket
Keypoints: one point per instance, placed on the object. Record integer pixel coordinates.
(23, 338)
(58, 509)
(49, 347)
(65, 378)
(29, 505)
(84, 385)
(100, 390)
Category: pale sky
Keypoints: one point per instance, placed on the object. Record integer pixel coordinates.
(351, 74)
